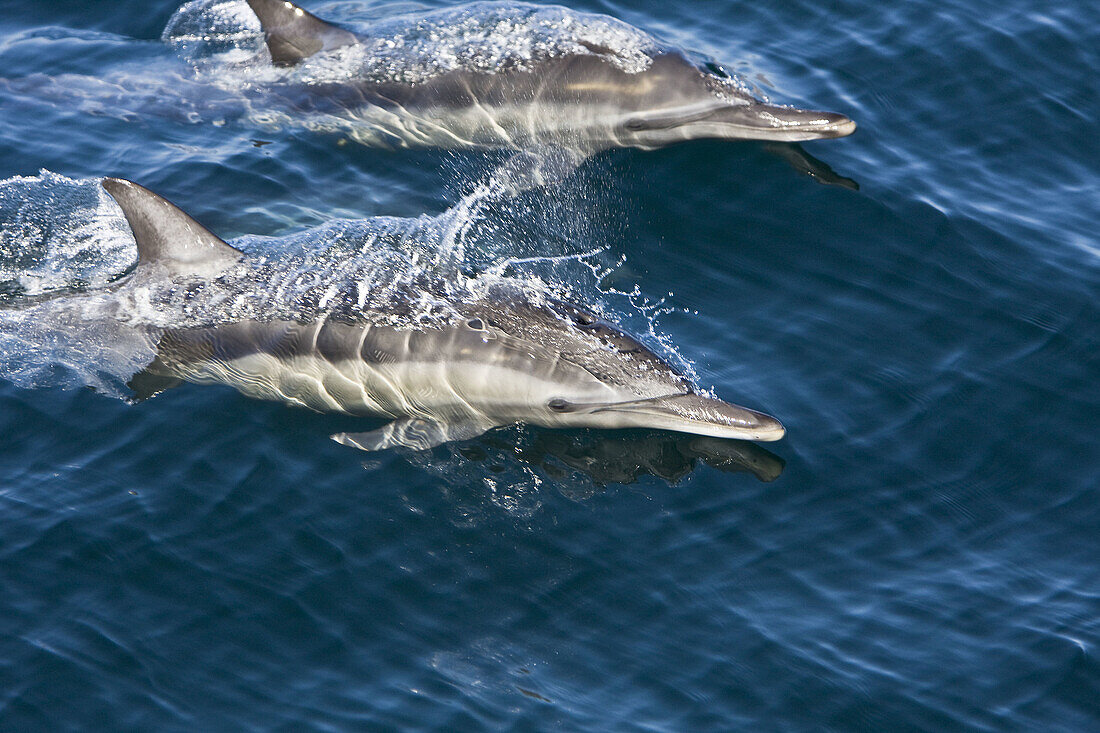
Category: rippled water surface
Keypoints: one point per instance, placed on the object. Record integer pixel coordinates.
(921, 312)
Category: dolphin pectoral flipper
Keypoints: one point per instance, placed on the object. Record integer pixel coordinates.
(292, 34)
(151, 381)
(807, 164)
(416, 433)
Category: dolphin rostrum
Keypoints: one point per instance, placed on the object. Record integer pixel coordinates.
(497, 360)
(580, 92)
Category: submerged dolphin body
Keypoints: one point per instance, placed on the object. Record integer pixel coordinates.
(582, 95)
(499, 360)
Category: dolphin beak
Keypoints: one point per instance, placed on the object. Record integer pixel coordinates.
(762, 121)
(698, 415)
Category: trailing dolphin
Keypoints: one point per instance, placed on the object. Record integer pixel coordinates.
(583, 81)
(496, 360)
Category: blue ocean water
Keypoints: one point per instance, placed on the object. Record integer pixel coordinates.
(920, 552)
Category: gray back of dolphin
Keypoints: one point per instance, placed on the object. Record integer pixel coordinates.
(497, 361)
(579, 99)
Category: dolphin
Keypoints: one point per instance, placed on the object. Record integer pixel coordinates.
(497, 360)
(582, 94)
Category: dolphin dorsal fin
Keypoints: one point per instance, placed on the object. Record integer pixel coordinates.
(292, 34)
(168, 237)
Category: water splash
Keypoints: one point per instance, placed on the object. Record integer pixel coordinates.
(203, 29)
(59, 234)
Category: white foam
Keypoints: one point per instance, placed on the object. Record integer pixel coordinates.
(57, 233)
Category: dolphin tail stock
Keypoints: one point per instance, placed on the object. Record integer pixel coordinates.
(168, 237)
(416, 433)
(293, 34)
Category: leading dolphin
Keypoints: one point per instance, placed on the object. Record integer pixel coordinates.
(498, 360)
(577, 92)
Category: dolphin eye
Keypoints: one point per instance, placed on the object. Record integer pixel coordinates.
(635, 124)
(583, 319)
(558, 405)
(717, 70)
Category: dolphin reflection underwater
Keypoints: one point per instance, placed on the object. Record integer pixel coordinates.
(575, 90)
(494, 360)
(622, 457)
